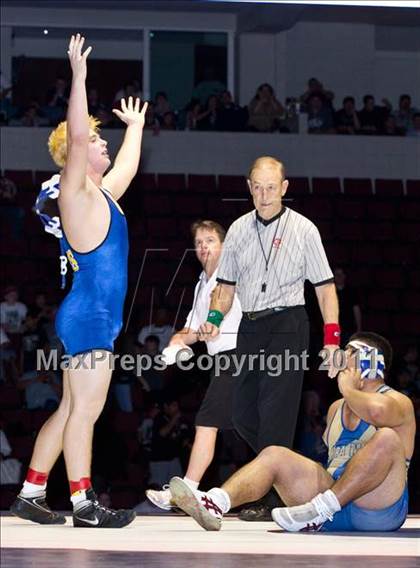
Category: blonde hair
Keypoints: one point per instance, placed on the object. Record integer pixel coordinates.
(269, 161)
(57, 141)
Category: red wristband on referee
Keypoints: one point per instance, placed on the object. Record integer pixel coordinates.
(332, 334)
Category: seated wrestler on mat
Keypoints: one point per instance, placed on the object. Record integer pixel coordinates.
(370, 437)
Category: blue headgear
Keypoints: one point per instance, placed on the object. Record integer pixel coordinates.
(50, 189)
(371, 360)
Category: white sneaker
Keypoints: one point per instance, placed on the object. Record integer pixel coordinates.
(198, 504)
(162, 499)
(308, 517)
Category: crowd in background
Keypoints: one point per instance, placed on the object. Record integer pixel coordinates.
(163, 402)
(212, 108)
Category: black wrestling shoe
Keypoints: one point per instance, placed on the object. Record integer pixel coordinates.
(35, 509)
(257, 512)
(92, 515)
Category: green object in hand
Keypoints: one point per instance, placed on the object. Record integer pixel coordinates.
(215, 317)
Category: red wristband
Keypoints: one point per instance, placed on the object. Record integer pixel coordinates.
(332, 334)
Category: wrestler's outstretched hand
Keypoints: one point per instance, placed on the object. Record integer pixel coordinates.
(77, 58)
(130, 112)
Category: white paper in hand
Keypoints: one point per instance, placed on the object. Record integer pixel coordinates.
(173, 352)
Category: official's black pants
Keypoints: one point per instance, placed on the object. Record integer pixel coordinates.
(265, 407)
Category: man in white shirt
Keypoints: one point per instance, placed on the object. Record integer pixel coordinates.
(216, 409)
(12, 312)
(160, 328)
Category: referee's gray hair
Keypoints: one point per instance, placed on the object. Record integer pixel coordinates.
(210, 226)
(272, 161)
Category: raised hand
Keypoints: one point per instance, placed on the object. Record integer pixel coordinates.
(76, 57)
(130, 113)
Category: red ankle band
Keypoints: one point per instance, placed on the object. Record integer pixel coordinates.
(81, 485)
(36, 477)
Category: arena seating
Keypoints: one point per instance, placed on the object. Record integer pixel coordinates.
(370, 227)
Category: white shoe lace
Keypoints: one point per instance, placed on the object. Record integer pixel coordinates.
(322, 508)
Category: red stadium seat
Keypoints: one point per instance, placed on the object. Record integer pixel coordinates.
(414, 279)
(383, 300)
(350, 208)
(145, 182)
(379, 231)
(378, 209)
(389, 187)
(315, 207)
(201, 183)
(367, 254)
(410, 208)
(413, 187)
(411, 301)
(190, 205)
(377, 321)
(161, 227)
(357, 186)
(349, 230)
(326, 186)
(172, 182)
(338, 253)
(23, 179)
(400, 254)
(389, 278)
(152, 205)
(406, 323)
(408, 231)
(40, 176)
(298, 186)
(233, 184)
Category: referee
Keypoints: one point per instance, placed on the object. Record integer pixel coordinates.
(267, 256)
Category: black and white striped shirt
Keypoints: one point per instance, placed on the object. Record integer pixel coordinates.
(269, 261)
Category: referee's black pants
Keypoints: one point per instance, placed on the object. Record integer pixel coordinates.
(265, 407)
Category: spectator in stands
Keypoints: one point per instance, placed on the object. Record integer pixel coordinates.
(390, 127)
(315, 87)
(410, 362)
(57, 99)
(11, 214)
(42, 390)
(209, 119)
(7, 110)
(151, 122)
(33, 338)
(348, 301)
(106, 118)
(311, 428)
(130, 89)
(49, 329)
(415, 130)
(161, 106)
(32, 116)
(94, 102)
(171, 436)
(406, 384)
(168, 121)
(193, 112)
(405, 114)
(145, 431)
(10, 468)
(152, 380)
(12, 312)
(8, 367)
(41, 309)
(346, 119)
(210, 85)
(371, 116)
(320, 116)
(231, 117)
(264, 109)
(160, 328)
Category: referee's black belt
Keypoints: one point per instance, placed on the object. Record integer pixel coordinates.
(262, 313)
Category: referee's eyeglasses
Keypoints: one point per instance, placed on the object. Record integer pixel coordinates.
(257, 187)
